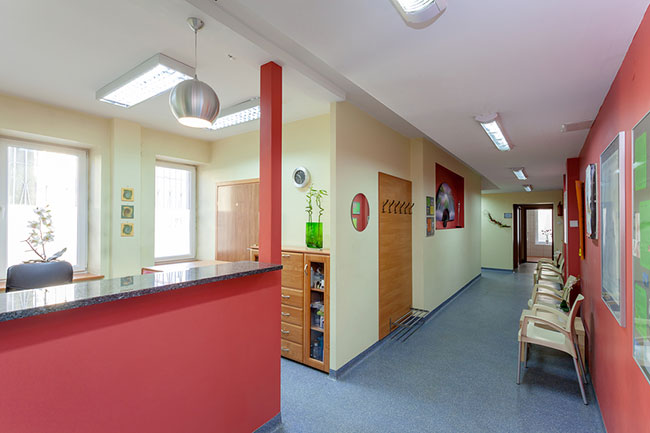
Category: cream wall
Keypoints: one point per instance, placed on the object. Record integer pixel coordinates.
(304, 143)
(446, 261)
(442, 264)
(361, 147)
(120, 154)
(496, 242)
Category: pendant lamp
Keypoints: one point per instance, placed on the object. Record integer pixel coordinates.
(193, 102)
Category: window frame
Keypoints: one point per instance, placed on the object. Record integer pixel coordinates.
(82, 196)
(537, 241)
(192, 170)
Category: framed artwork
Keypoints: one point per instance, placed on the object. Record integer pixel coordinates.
(450, 199)
(128, 211)
(127, 194)
(641, 246)
(431, 206)
(591, 201)
(612, 228)
(126, 230)
(431, 226)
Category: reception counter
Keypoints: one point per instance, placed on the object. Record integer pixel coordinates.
(194, 350)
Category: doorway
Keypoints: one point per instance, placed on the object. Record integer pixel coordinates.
(533, 233)
(238, 218)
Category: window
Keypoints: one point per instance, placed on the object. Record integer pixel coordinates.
(544, 226)
(38, 175)
(175, 225)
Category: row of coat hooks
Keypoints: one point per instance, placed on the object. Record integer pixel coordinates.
(397, 207)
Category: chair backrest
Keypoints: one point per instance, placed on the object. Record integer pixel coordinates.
(568, 285)
(36, 275)
(570, 324)
(558, 257)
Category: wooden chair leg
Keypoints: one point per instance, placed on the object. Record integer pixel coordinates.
(519, 364)
(582, 366)
(582, 387)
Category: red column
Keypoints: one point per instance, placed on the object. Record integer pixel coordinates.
(573, 243)
(271, 163)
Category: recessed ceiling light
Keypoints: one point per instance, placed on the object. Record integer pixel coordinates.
(420, 11)
(491, 126)
(576, 126)
(520, 173)
(528, 188)
(237, 114)
(150, 78)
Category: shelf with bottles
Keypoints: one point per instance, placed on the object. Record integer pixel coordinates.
(317, 276)
(316, 351)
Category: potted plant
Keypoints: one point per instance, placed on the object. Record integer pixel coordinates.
(314, 230)
(41, 234)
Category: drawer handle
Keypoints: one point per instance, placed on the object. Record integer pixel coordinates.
(285, 332)
(286, 256)
(284, 349)
(285, 296)
(286, 314)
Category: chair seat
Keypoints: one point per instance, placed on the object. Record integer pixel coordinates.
(548, 338)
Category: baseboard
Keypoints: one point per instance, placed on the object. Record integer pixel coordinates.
(510, 271)
(271, 425)
(338, 374)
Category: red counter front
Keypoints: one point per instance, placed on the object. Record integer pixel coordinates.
(198, 359)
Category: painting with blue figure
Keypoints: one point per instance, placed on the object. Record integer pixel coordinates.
(445, 206)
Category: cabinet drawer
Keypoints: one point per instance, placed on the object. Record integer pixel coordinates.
(292, 297)
(292, 270)
(291, 350)
(291, 315)
(291, 332)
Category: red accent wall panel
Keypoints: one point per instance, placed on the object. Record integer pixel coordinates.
(622, 390)
(199, 359)
(271, 163)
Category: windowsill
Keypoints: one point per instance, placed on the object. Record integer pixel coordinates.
(77, 277)
(173, 261)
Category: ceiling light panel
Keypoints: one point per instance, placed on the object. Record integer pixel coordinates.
(420, 11)
(238, 114)
(492, 128)
(520, 173)
(528, 188)
(152, 77)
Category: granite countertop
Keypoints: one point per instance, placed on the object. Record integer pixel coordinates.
(26, 303)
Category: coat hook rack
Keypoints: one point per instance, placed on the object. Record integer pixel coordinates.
(391, 205)
(411, 208)
(397, 205)
(402, 208)
(383, 207)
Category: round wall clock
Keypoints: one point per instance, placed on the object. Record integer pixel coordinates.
(301, 177)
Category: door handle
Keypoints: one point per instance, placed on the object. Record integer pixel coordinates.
(286, 314)
(284, 332)
(284, 349)
(286, 256)
(285, 296)
(306, 264)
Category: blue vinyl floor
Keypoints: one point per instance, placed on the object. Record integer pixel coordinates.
(455, 374)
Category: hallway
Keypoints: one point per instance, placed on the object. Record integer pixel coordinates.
(456, 374)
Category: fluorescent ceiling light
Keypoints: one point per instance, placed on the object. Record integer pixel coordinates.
(241, 113)
(491, 126)
(576, 126)
(150, 78)
(520, 173)
(420, 11)
(528, 188)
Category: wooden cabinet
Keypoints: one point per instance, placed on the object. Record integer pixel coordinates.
(304, 330)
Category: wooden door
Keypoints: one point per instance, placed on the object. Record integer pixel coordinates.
(395, 261)
(237, 219)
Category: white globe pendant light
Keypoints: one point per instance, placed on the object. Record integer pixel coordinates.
(193, 102)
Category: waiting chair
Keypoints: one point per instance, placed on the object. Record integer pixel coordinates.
(548, 295)
(37, 275)
(559, 334)
(550, 273)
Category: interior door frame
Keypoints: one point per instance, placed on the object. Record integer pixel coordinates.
(216, 208)
(520, 227)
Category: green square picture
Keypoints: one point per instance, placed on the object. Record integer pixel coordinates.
(128, 211)
(356, 208)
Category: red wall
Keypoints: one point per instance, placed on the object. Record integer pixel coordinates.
(199, 359)
(622, 390)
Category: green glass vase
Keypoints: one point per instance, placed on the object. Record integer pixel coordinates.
(314, 235)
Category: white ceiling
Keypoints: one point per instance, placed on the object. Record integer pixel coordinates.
(538, 63)
(61, 52)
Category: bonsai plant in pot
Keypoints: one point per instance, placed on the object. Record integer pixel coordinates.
(314, 230)
(41, 234)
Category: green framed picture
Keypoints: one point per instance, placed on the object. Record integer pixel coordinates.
(128, 211)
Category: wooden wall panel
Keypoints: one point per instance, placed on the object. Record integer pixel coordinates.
(237, 220)
(395, 249)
